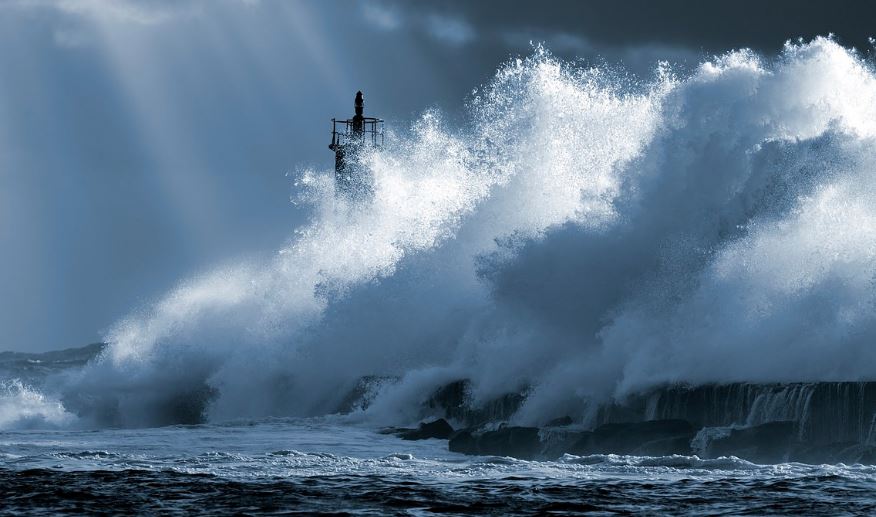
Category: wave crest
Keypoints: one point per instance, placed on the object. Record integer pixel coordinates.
(583, 234)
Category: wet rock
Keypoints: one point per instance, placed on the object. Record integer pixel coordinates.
(827, 422)
(655, 438)
(651, 438)
(560, 422)
(434, 429)
(841, 452)
(464, 442)
(398, 431)
(867, 456)
(771, 442)
(360, 396)
(516, 442)
(453, 400)
(556, 441)
(827, 412)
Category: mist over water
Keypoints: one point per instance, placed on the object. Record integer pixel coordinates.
(585, 234)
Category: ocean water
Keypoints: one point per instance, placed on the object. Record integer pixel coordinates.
(583, 233)
(582, 236)
(321, 466)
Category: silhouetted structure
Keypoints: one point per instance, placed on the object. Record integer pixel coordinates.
(349, 138)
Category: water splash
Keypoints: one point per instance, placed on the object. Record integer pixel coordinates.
(584, 234)
(22, 407)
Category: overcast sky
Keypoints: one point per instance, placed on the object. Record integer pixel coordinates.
(143, 142)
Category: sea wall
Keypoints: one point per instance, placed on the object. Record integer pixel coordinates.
(819, 422)
(825, 412)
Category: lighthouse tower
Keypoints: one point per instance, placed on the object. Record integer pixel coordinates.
(350, 138)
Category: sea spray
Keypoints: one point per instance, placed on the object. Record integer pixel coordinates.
(23, 406)
(582, 235)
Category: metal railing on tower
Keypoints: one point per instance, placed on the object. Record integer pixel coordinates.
(350, 138)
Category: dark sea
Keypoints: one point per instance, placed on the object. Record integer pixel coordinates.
(576, 237)
(325, 467)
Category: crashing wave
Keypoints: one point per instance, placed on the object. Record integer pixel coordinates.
(584, 235)
(23, 407)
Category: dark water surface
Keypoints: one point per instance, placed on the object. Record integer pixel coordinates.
(281, 467)
(126, 492)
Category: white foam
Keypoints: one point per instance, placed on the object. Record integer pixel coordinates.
(583, 234)
(23, 407)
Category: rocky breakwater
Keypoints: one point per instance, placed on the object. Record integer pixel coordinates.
(764, 423)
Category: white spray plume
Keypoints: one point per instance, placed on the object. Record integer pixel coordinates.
(585, 235)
